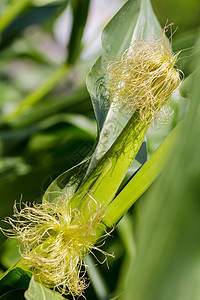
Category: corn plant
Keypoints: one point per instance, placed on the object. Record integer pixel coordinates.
(130, 85)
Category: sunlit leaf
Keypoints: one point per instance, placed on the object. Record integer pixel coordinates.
(80, 13)
(37, 291)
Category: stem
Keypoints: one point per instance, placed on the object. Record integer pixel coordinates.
(39, 93)
(12, 12)
(141, 181)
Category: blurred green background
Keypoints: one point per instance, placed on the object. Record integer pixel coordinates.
(47, 124)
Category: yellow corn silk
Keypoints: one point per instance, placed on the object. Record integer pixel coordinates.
(144, 77)
(55, 239)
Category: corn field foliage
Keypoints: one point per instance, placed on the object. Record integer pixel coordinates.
(99, 149)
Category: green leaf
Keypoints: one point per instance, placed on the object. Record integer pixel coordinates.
(12, 11)
(32, 15)
(37, 291)
(15, 278)
(167, 264)
(141, 181)
(80, 13)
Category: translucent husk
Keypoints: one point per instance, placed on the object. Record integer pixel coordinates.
(143, 79)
